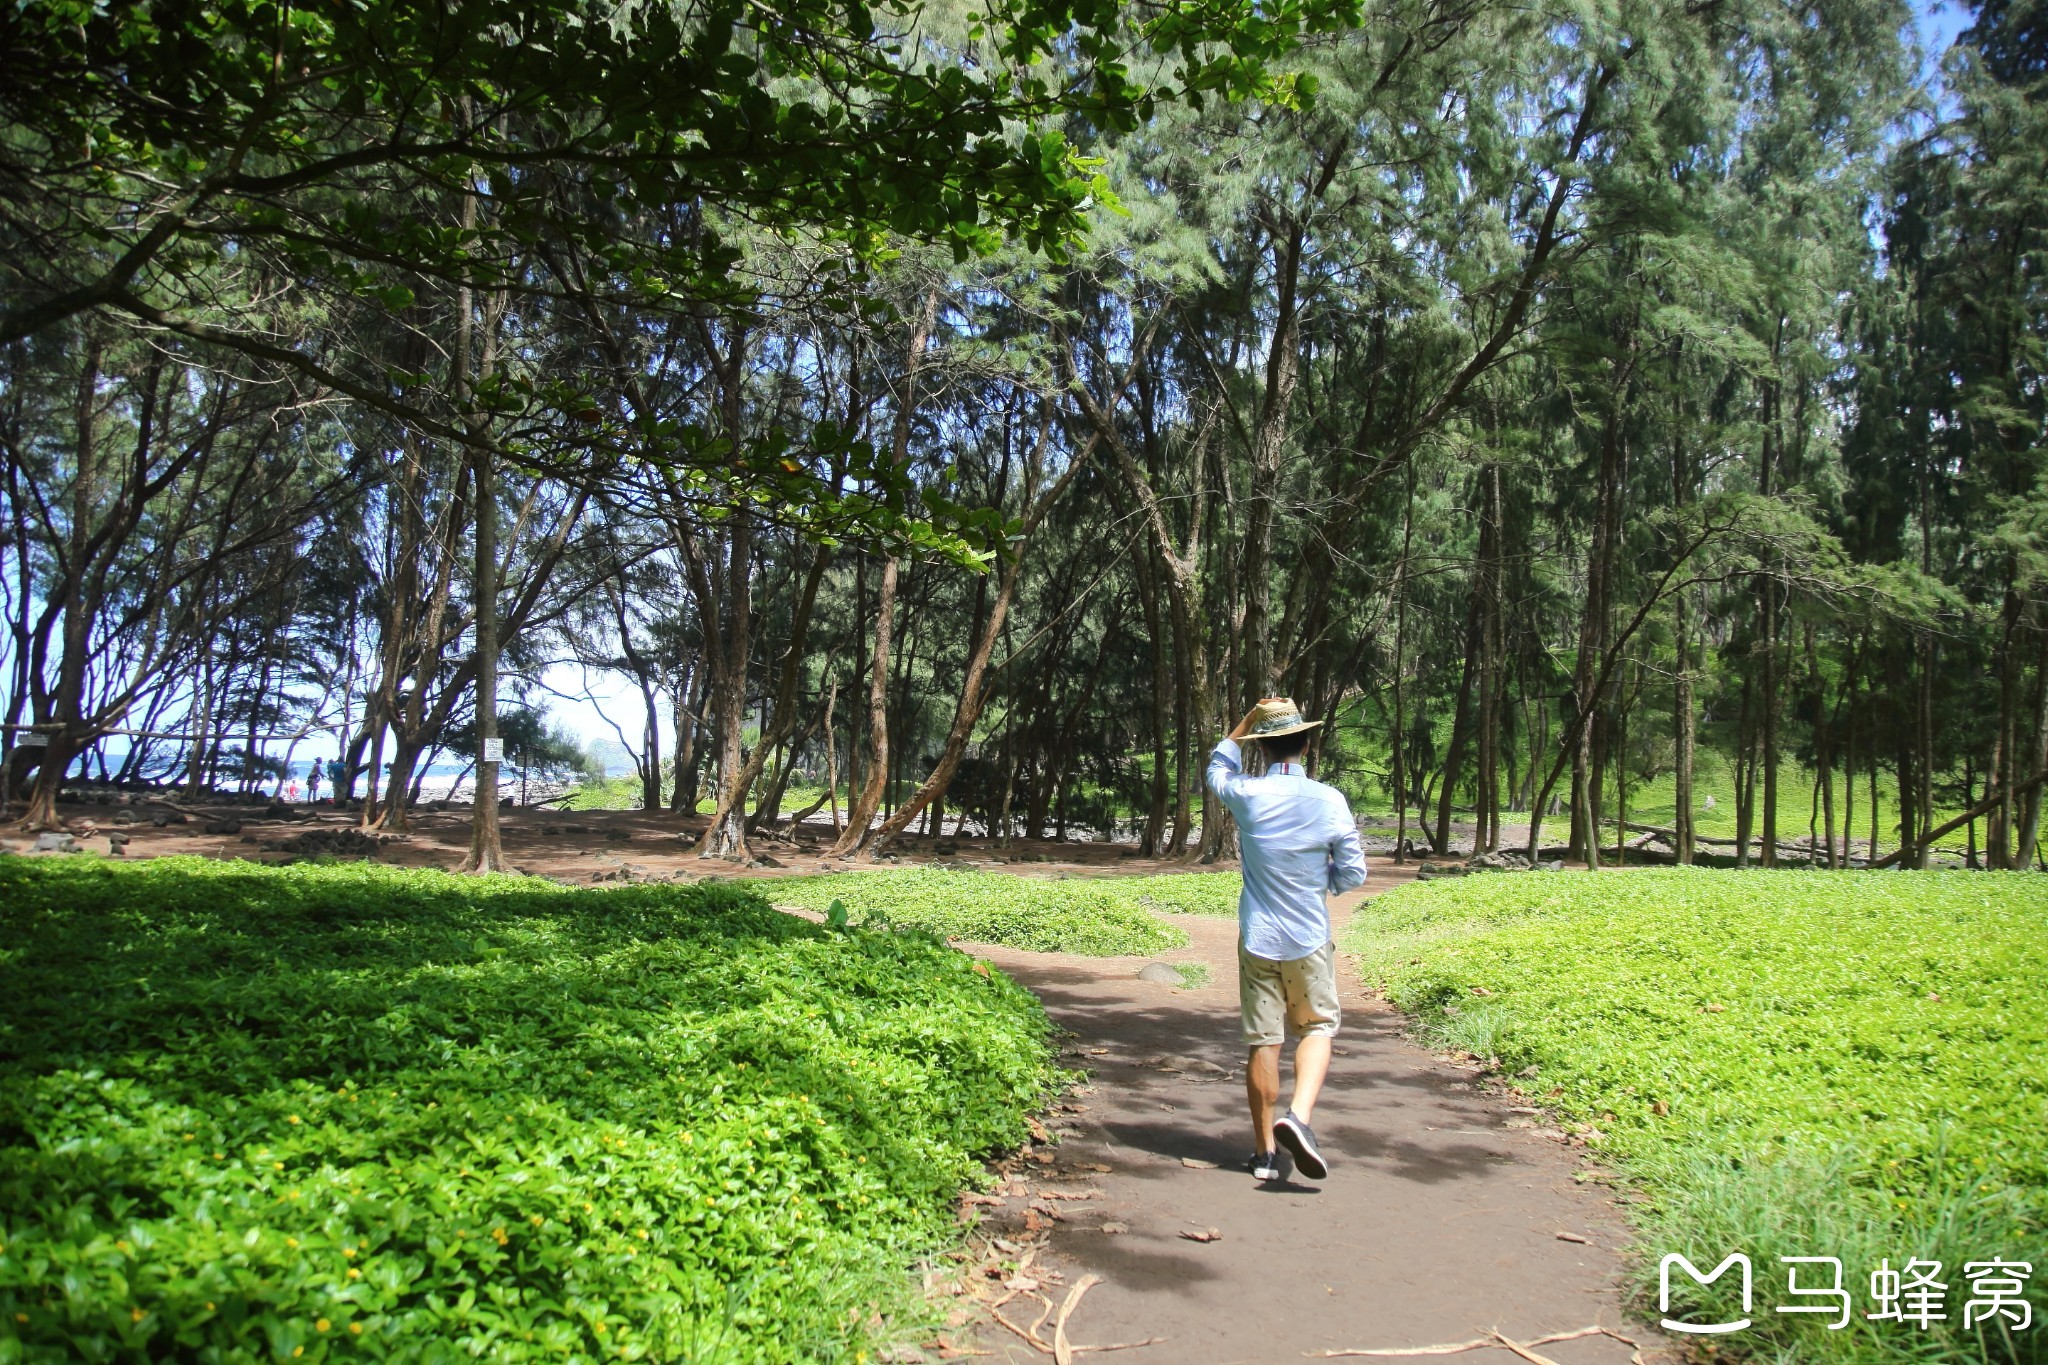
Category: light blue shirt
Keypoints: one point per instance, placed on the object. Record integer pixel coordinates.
(1298, 842)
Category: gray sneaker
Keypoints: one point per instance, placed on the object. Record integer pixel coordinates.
(1298, 1138)
(1264, 1165)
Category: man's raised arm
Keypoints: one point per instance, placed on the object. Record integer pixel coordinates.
(1226, 763)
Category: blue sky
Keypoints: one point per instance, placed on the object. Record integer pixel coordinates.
(1939, 25)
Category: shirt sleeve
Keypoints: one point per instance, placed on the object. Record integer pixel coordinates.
(1226, 775)
(1347, 855)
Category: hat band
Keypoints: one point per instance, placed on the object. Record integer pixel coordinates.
(1277, 723)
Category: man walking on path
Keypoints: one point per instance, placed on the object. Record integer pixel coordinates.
(1299, 844)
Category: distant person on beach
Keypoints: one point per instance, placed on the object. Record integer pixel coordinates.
(1299, 845)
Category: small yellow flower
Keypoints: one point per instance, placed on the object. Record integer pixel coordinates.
(209, 1307)
(293, 1119)
(322, 1325)
(220, 1156)
(600, 1329)
(298, 1351)
(354, 1274)
(123, 1245)
(21, 1317)
(348, 1251)
(536, 1220)
(277, 1165)
(643, 1234)
(498, 1236)
(355, 1329)
(292, 1242)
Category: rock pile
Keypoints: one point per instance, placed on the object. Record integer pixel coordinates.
(331, 843)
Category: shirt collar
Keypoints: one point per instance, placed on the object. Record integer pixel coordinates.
(1290, 767)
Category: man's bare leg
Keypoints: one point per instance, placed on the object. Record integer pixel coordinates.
(1311, 1065)
(1262, 1090)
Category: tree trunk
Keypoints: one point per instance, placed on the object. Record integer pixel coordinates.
(2006, 768)
(868, 800)
(1745, 772)
(973, 695)
(832, 756)
(726, 835)
(1142, 554)
(2027, 849)
(486, 851)
(1682, 733)
(1269, 443)
(1486, 813)
(1768, 854)
(1460, 728)
(689, 702)
(1923, 752)
(781, 719)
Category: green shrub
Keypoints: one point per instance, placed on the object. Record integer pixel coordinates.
(1094, 916)
(1794, 1063)
(365, 1113)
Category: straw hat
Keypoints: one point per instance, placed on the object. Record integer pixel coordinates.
(1277, 716)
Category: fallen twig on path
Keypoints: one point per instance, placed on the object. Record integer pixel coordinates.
(1062, 1351)
(1040, 1343)
(1121, 1345)
(1533, 1357)
(1492, 1338)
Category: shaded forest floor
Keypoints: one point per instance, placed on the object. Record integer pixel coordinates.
(594, 846)
(578, 847)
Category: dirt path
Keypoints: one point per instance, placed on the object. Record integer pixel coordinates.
(1438, 1221)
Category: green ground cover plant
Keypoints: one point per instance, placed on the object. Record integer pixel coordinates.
(365, 1113)
(1791, 1063)
(1092, 916)
(1191, 893)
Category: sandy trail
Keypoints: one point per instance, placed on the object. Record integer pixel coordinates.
(1438, 1221)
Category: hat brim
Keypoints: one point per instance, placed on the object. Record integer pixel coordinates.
(1287, 730)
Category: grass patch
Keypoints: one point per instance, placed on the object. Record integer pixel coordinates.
(361, 1112)
(1193, 975)
(1191, 893)
(624, 792)
(1794, 1064)
(1093, 916)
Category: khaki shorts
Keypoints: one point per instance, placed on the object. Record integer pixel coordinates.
(1298, 998)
